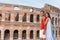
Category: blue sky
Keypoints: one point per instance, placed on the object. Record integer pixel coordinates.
(34, 3)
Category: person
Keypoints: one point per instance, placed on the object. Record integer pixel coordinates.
(42, 25)
(49, 27)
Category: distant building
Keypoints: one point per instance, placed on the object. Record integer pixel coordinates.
(23, 22)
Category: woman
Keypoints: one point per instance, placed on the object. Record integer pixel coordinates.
(49, 28)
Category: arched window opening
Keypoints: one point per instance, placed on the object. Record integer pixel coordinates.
(56, 21)
(7, 35)
(37, 34)
(59, 33)
(24, 17)
(56, 33)
(31, 34)
(7, 16)
(24, 34)
(17, 17)
(37, 18)
(15, 35)
(52, 20)
(31, 18)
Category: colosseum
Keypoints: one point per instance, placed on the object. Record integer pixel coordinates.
(19, 22)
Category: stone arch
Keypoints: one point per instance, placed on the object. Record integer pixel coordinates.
(15, 35)
(37, 34)
(31, 34)
(7, 34)
(31, 18)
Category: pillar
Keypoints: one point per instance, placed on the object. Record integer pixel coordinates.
(11, 35)
(3, 16)
(34, 35)
(12, 16)
(20, 16)
(28, 17)
(54, 23)
(20, 35)
(34, 18)
(39, 18)
(28, 33)
(2, 35)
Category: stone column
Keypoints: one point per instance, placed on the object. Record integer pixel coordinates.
(11, 35)
(20, 16)
(40, 19)
(54, 23)
(20, 35)
(3, 16)
(27, 35)
(28, 17)
(2, 35)
(34, 35)
(34, 18)
(12, 16)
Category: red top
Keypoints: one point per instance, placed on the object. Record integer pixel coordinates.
(42, 23)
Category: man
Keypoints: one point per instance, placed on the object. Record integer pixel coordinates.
(42, 25)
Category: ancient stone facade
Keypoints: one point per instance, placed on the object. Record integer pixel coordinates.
(18, 22)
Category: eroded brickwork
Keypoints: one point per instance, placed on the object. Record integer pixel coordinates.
(23, 22)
